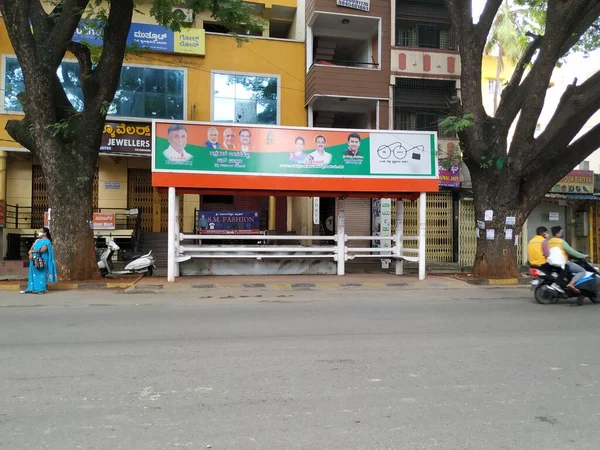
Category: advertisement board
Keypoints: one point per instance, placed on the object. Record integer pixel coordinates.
(222, 156)
(229, 222)
(154, 38)
(103, 221)
(127, 137)
(576, 182)
(450, 176)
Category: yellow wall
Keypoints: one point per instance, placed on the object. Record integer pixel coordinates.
(490, 65)
(18, 181)
(257, 56)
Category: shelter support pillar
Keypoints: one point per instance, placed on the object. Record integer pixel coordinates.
(422, 233)
(172, 229)
(399, 239)
(591, 226)
(341, 237)
(272, 213)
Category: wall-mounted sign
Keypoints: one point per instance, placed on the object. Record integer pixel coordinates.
(218, 156)
(361, 5)
(126, 137)
(450, 177)
(153, 38)
(316, 210)
(554, 216)
(229, 222)
(103, 221)
(576, 182)
(112, 185)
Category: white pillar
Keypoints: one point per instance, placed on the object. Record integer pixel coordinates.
(422, 233)
(178, 200)
(171, 236)
(341, 238)
(399, 236)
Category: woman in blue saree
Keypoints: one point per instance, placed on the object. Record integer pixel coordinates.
(40, 277)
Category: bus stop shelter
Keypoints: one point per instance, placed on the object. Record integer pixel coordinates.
(223, 159)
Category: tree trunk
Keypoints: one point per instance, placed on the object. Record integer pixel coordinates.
(69, 177)
(496, 256)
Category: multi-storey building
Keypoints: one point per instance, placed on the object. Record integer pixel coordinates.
(260, 82)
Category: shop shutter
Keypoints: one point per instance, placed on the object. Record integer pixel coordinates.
(358, 220)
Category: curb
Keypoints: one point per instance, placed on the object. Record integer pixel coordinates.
(66, 286)
(347, 286)
(499, 282)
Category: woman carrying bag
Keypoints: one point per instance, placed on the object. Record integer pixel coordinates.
(42, 269)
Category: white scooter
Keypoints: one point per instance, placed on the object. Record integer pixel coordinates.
(136, 263)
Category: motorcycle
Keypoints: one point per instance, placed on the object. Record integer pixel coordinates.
(544, 279)
(135, 263)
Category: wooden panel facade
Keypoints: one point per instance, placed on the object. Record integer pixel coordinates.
(347, 82)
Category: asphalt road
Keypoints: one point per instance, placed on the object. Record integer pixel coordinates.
(446, 369)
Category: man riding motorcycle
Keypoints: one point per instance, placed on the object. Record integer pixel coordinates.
(576, 270)
(538, 252)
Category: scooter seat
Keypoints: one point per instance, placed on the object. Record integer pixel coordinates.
(132, 256)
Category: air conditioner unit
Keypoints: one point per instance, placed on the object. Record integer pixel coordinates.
(184, 15)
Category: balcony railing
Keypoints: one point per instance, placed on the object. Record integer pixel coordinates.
(346, 63)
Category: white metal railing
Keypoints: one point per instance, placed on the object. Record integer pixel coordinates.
(179, 251)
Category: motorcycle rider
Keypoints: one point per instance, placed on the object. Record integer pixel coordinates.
(538, 252)
(559, 242)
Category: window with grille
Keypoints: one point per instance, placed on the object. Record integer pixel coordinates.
(424, 24)
(421, 105)
(428, 36)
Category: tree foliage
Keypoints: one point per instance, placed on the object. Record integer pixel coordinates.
(64, 110)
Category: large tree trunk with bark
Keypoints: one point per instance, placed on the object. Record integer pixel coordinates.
(496, 256)
(70, 182)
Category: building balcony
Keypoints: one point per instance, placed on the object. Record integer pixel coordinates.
(344, 57)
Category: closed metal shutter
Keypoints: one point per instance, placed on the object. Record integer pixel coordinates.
(358, 220)
(439, 231)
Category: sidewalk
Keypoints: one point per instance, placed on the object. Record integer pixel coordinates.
(302, 282)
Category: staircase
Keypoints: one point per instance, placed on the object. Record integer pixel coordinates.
(157, 242)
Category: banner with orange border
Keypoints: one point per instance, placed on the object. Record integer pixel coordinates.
(306, 161)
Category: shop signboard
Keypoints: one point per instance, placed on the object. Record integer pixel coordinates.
(361, 5)
(229, 222)
(127, 137)
(450, 176)
(576, 182)
(153, 38)
(103, 221)
(286, 159)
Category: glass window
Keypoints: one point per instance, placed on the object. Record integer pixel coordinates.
(143, 92)
(244, 99)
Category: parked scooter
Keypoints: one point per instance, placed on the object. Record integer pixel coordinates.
(136, 263)
(545, 294)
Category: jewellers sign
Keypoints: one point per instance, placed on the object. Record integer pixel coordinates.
(127, 137)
